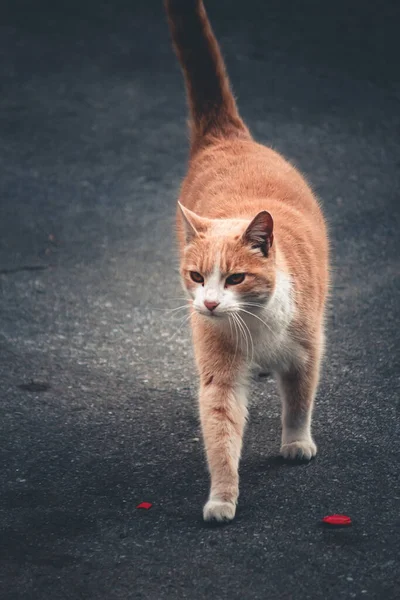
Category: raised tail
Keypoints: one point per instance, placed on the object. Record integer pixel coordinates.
(213, 110)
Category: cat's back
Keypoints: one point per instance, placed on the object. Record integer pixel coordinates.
(230, 178)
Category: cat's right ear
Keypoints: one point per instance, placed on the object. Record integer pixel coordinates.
(259, 234)
(192, 223)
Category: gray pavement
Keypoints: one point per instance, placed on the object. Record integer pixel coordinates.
(98, 402)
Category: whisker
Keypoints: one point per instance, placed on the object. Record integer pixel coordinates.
(173, 309)
(182, 323)
(248, 339)
(257, 317)
(230, 325)
(252, 304)
(250, 336)
(179, 298)
(237, 339)
(242, 329)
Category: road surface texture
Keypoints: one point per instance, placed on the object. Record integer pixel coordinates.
(98, 386)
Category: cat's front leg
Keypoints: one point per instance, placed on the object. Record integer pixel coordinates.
(223, 375)
(298, 387)
(223, 416)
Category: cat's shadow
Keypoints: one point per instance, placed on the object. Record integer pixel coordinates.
(254, 469)
(253, 476)
(277, 462)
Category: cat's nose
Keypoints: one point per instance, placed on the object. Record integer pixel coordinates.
(210, 305)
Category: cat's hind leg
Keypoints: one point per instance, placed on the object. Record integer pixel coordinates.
(298, 386)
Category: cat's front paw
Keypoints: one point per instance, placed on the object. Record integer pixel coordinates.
(218, 510)
(300, 449)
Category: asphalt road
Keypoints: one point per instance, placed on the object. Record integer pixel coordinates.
(98, 387)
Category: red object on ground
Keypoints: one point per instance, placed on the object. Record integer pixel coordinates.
(145, 505)
(337, 520)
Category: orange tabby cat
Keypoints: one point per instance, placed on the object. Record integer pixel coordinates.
(254, 260)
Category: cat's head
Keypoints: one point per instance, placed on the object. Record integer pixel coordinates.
(227, 264)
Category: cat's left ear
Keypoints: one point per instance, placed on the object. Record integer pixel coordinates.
(259, 234)
(192, 223)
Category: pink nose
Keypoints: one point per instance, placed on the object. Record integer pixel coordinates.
(210, 305)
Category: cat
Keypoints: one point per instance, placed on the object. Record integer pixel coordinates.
(254, 262)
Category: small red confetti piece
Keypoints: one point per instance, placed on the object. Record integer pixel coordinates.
(145, 505)
(337, 520)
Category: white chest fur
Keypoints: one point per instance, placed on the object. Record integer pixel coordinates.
(273, 345)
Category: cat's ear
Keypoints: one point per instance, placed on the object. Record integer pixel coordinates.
(259, 234)
(192, 223)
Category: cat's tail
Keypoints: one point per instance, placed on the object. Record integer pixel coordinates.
(213, 111)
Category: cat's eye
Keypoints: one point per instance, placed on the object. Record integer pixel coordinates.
(196, 277)
(235, 279)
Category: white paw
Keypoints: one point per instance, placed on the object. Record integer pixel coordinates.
(302, 449)
(218, 510)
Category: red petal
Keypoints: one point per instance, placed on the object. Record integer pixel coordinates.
(145, 505)
(337, 520)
